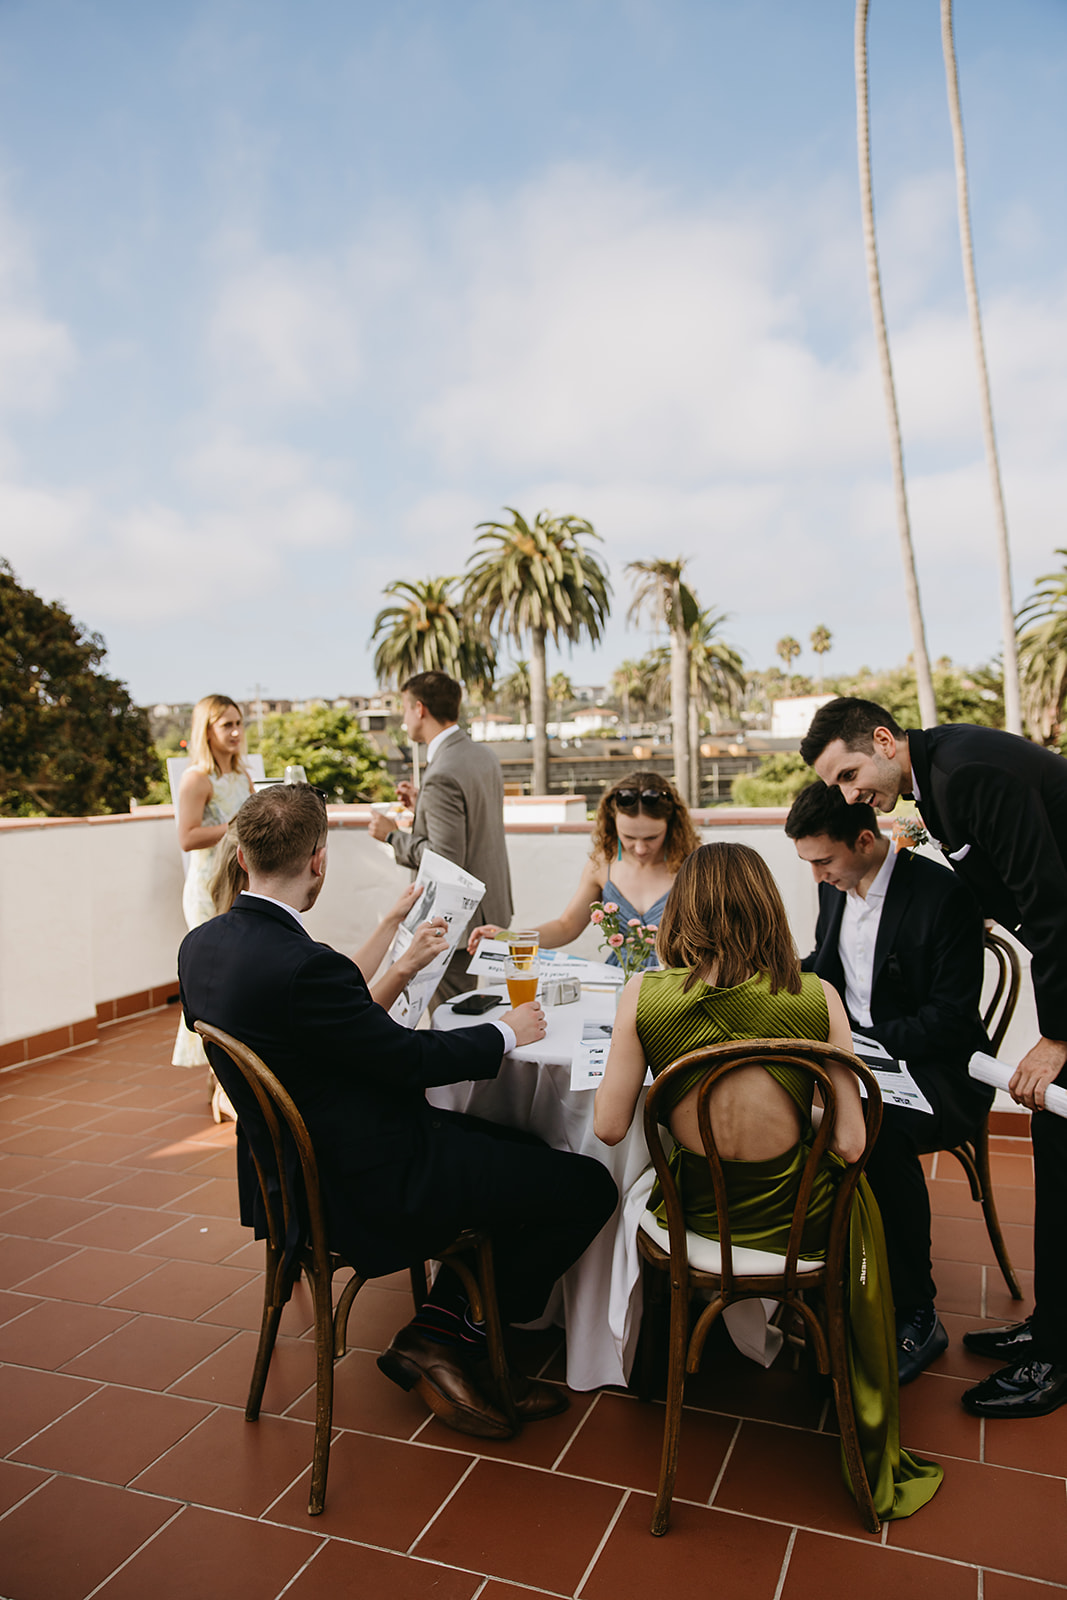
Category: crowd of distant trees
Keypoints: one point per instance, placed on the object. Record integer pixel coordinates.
(72, 743)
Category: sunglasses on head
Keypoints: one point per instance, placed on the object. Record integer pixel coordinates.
(647, 799)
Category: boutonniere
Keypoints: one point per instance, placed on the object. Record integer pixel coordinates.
(908, 833)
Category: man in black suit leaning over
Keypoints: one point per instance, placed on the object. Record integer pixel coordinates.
(400, 1178)
(998, 806)
(901, 941)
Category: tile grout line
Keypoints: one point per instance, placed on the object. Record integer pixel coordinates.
(786, 1559)
(152, 1537)
(725, 1463)
(605, 1536)
(578, 1426)
(460, 1481)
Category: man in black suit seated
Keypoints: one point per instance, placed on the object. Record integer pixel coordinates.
(901, 941)
(997, 805)
(400, 1178)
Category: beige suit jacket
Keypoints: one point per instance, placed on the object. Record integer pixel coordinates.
(460, 814)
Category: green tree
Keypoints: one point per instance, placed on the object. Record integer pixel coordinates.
(72, 743)
(629, 683)
(537, 580)
(777, 781)
(561, 691)
(716, 681)
(1043, 656)
(788, 649)
(334, 754)
(425, 631)
(973, 694)
(659, 589)
(821, 640)
(515, 691)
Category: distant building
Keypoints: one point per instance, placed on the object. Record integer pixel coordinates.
(791, 716)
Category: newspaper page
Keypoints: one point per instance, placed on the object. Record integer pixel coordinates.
(591, 1053)
(489, 958)
(988, 1069)
(892, 1077)
(449, 892)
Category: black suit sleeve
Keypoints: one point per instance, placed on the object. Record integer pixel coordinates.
(329, 1001)
(935, 978)
(1008, 820)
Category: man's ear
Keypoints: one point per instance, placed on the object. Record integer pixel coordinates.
(318, 862)
(884, 743)
(241, 862)
(865, 841)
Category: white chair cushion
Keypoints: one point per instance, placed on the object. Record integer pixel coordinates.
(706, 1256)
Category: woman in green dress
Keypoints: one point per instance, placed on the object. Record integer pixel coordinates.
(731, 972)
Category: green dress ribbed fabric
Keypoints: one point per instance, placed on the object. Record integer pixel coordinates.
(672, 1021)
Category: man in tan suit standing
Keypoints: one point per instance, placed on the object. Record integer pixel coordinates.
(459, 810)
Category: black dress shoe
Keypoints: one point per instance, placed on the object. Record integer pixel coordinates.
(1030, 1388)
(1013, 1343)
(441, 1375)
(917, 1347)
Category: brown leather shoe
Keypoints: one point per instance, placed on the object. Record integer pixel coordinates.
(441, 1376)
(534, 1399)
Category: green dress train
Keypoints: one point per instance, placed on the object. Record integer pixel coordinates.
(672, 1021)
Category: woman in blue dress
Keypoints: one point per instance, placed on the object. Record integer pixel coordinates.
(641, 836)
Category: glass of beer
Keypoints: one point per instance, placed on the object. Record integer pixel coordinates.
(523, 966)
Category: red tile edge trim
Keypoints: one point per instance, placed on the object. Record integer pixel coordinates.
(19, 1052)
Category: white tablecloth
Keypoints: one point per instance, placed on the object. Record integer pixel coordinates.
(598, 1300)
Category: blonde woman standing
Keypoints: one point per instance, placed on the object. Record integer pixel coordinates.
(214, 787)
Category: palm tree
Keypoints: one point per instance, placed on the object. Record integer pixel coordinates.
(426, 632)
(537, 579)
(516, 691)
(716, 680)
(821, 640)
(659, 589)
(1012, 704)
(924, 681)
(560, 690)
(628, 684)
(1043, 656)
(788, 648)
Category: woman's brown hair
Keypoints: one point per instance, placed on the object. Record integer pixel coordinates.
(682, 837)
(725, 910)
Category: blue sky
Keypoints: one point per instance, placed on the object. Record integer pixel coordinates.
(292, 297)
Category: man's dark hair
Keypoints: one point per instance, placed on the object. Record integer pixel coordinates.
(439, 693)
(280, 828)
(821, 809)
(850, 720)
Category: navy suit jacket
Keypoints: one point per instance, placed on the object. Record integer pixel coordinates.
(1007, 799)
(357, 1077)
(928, 967)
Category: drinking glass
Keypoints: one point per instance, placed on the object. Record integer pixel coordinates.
(522, 969)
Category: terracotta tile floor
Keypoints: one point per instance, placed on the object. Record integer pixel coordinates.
(128, 1303)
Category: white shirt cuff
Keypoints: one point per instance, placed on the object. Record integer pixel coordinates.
(507, 1033)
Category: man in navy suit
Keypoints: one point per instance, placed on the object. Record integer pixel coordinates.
(901, 941)
(997, 805)
(400, 1178)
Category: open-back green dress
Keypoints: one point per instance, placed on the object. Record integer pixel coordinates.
(671, 1021)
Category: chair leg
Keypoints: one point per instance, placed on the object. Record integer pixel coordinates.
(420, 1288)
(273, 1306)
(672, 1422)
(324, 1360)
(340, 1316)
(992, 1220)
(652, 1308)
(494, 1333)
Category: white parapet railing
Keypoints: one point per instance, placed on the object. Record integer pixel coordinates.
(91, 920)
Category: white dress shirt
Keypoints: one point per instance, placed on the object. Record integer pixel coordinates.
(857, 939)
(438, 740)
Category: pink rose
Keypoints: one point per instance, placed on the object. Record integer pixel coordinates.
(634, 922)
(610, 907)
(598, 916)
(616, 939)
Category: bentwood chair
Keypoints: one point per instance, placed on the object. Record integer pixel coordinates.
(973, 1154)
(814, 1291)
(296, 1241)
